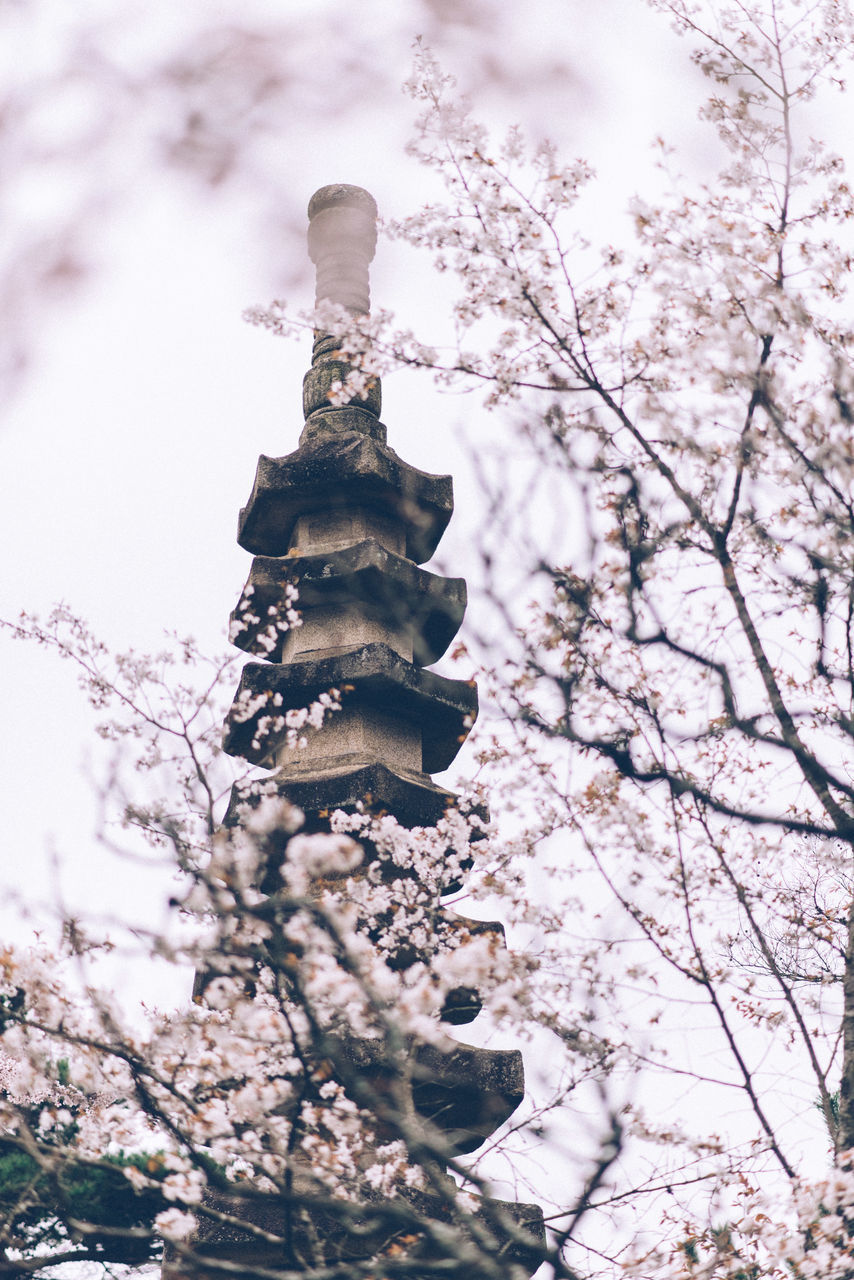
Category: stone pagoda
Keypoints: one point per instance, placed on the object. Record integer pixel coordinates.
(348, 523)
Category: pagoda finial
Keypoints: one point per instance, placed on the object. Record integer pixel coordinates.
(342, 238)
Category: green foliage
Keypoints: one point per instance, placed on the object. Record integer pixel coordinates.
(689, 1248)
(833, 1105)
(35, 1203)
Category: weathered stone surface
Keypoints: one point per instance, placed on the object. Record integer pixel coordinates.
(320, 532)
(400, 597)
(465, 1092)
(340, 626)
(372, 676)
(318, 384)
(366, 729)
(355, 785)
(341, 193)
(331, 422)
(462, 1005)
(468, 1092)
(335, 470)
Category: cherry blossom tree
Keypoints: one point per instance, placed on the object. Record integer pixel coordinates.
(282, 1110)
(686, 662)
(673, 763)
(281, 1114)
(695, 646)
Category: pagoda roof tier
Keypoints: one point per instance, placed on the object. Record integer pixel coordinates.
(343, 469)
(466, 1092)
(353, 784)
(373, 676)
(341, 1230)
(429, 607)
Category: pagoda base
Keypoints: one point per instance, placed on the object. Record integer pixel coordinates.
(318, 1230)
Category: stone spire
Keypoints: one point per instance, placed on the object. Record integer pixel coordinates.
(347, 524)
(342, 239)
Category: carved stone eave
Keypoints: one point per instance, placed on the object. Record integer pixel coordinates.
(371, 677)
(404, 598)
(354, 784)
(338, 471)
